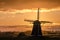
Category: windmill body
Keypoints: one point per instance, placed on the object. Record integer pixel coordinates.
(36, 31)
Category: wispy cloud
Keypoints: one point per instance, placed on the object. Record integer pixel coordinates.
(16, 11)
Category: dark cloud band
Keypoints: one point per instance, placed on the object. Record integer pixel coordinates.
(19, 4)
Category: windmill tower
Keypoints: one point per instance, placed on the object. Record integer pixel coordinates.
(36, 31)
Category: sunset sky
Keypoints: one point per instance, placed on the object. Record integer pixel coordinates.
(13, 12)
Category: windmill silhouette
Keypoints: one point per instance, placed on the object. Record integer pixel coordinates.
(36, 31)
(37, 27)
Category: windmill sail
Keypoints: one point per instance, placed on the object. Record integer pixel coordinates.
(38, 14)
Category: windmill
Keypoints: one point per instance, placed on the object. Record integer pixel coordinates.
(36, 31)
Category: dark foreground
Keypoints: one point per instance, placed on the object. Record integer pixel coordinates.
(23, 36)
(30, 38)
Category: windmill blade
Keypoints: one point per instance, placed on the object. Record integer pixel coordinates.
(28, 20)
(38, 14)
(45, 22)
(42, 22)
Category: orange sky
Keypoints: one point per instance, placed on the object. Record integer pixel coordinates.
(13, 12)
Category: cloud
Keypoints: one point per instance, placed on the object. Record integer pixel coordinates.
(13, 16)
(16, 11)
